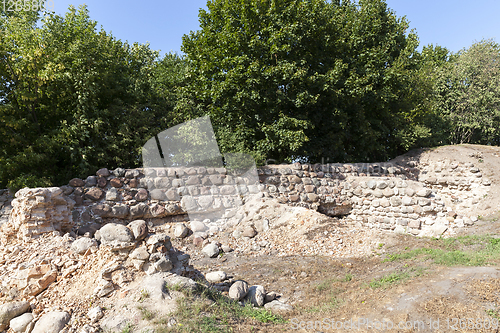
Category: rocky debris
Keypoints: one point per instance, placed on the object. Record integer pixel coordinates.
(180, 231)
(104, 288)
(140, 253)
(158, 262)
(277, 306)
(139, 229)
(84, 244)
(95, 314)
(39, 210)
(256, 295)
(216, 277)
(117, 236)
(181, 281)
(238, 290)
(159, 242)
(52, 322)
(8, 311)
(19, 324)
(211, 250)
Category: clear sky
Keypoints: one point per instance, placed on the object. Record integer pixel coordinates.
(454, 24)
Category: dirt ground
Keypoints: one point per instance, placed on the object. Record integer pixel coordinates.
(418, 296)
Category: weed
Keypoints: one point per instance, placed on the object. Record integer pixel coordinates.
(144, 295)
(207, 310)
(453, 251)
(348, 277)
(328, 306)
(493, 313)
(394, 278)
(128, 328)
(380, 245)
(145, 313)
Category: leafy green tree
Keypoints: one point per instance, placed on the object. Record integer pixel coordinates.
(423, 125)
(468, 94)
(293, 79)
(74, 99)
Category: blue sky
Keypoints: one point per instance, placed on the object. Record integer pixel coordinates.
(454, 24)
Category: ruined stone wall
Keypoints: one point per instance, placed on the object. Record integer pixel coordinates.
(395, 197)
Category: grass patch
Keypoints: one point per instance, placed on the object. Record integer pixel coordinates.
(128, 328)
(327, 284)
(143, 296)
(328, 306)
(145, 313)
(394, 278)
(493, 313)
(206, 310)
(465, 250)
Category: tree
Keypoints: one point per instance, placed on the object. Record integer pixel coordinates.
(469, 94)
(295, 79)
(73, 99)
(423, 125)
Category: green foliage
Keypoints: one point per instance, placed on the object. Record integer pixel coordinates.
(305, 80)
(206, 310)
(468, 94)
(394, 278)
(455, 251)
(74, 99)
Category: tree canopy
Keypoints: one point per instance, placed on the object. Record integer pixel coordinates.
(74, 99)
(288, 79)
(283, 80)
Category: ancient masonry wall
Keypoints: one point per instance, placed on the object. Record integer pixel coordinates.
(373, 195)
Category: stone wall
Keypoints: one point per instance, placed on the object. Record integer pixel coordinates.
(396, 197)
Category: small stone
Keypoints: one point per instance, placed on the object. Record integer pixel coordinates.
(211, 250)
(94, 194)
(119, 172)
(196, 226)
(82, 245)
(180, 231)
(20, 323)
(115, 182)
(277, 306)
(256, 295)
(249, 232)
(139, 228)
(141, 195)
(216, 277)
(132, 173)
(238, 290)
(115, 232)
(91, 181)
(52, 322)
(11, 310)
(76, 182)
(226, 248)
(102, 182)
(104, 172)
(425, 192)
(112, 195)
(163, 265)
(105, 288)
(270, 297)
(95, 313)
(140, 253)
